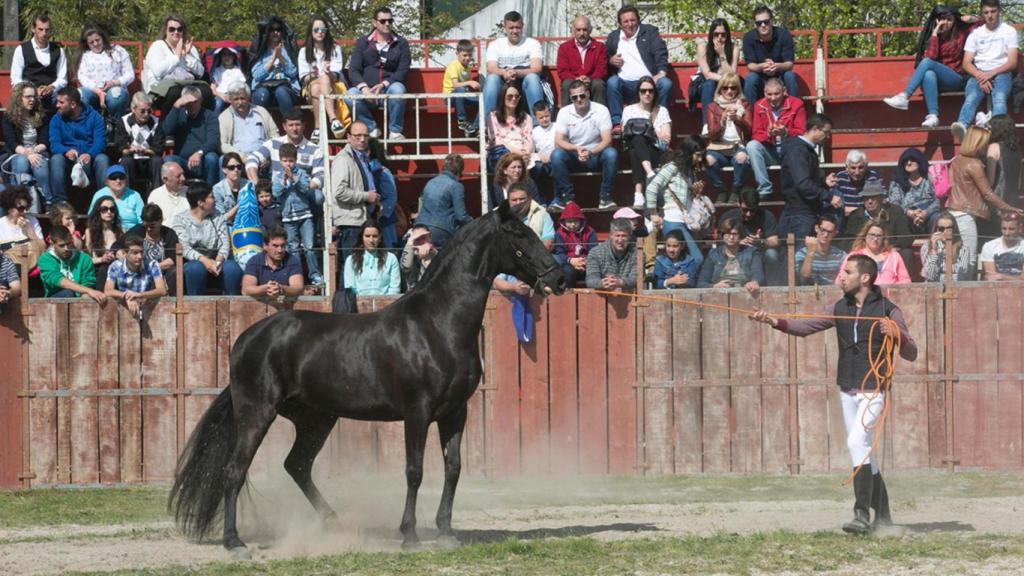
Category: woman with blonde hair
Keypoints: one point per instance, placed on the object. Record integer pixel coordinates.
(873, 241)
(730, 122)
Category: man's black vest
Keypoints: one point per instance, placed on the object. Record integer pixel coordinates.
(34, 71)
(854, 360)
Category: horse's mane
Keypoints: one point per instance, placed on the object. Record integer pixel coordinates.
(451, 252)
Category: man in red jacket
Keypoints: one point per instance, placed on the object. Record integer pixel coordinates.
(777, 116)
(584, 59)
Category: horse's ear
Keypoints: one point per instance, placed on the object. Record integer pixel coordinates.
(504, 211)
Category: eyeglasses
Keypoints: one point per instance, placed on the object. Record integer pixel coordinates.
(875, 235)
(760, 23)
(646, 90)
(826, 232)
(386, 20)
(719, 35)
(21, 207)
(319, 30)
(512, 96)
(941, 228)
(578, 97)
(233, 167)
(107, 209)
(174, 29)
(117, 177)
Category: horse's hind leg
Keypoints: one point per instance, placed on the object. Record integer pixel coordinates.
(253, 423)
(450, 430)
(311, 431)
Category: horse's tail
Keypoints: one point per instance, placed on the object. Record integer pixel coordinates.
(200, 480)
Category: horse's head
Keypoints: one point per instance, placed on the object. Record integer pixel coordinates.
(523, 255)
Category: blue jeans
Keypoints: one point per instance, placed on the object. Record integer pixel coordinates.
(303, 230)
(196, 277)
(281, 96)
(761, 157)
(363, 109)
(622, 92)
(933, 77)
(345, 238)
(714, 171)
(529, 84)
(60, 168)
(462, 103)
(116, 101)
(973, 95)
(41, 174)
(753, 85)
(563, 162)
(209, 169)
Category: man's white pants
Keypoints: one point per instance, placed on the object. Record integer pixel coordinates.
(860, 411)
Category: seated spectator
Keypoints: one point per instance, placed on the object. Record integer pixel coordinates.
(40, 61)
(543, 142)
(379, 65)
(716, 57)
(104, 72)
(511, 169)
(582, 58)
(18, 227)
(227, 74)
(442, 207)
(77, 136)
(101, 233)
(273, 68)
(244, 127)
(818, 261)
(172, 63)
(574, 239)
(277, 274)
(635, 50)
(63, 214)
(1003, 160)
(675, 197)
(134, 279)
(758, 227)
(517, 60)
(171, 196)
(873, 241)
(158, 243)
(533, 214)
(729, 127)
(938, 66)
(509, 127)
(67, 272)
(26, 139)
(583, 138)
(768, 52)
(777, 116)
(291, 189)
(877, 208)
(850, 183)
(270, 209)
(321, 73)
(611, 265)
(225, 192)
(646, 134)
(129, 202)
(196, 135)
(990, 59)
(457, 80)
(730, 264)
(370, 271)
(417, 255)
(140, 138)
(912, 190)
(933, 252)
(10, 282)
(204, 238)
(679, 266)
(1003, 258)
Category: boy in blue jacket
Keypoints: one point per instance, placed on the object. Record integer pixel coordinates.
(291, 189)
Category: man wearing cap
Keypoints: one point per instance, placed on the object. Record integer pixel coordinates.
(876, 207)
(129, 202)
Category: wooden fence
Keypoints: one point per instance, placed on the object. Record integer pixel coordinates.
(608, 386)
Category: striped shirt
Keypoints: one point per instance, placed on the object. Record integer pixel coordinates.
(849, 191)
(933, 263)
(8, 271)
(310, 158)
(125, 279)
(824, 269)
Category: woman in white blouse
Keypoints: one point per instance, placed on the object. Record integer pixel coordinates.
(320, 67)
(647, 132)
(104, 72)
(172, 63)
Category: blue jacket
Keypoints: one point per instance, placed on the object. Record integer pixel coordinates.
(287, 71)
(665, 267)
(364, 65)
(86, 134)
(750, 260)
(296, 198)
(443, 203)
(649, 43)
(193, 134)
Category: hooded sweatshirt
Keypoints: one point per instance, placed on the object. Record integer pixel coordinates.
(573, 244)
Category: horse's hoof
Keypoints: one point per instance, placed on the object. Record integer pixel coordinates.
(411, 546)
(448, 542)
(241, 553)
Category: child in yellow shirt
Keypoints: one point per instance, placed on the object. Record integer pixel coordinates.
(457, 80)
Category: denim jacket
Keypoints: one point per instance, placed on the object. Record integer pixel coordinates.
(711, 271)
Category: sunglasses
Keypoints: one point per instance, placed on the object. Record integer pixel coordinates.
(174, 29)
(578, 97)
(117, 177)
(719, 35)
(233, 167)
(107, 209)
(319, 30)
(21, 207)
(943, 228)
(730, 88)
(760, 23)
(646, 90)
(512, 96)
(386, 20)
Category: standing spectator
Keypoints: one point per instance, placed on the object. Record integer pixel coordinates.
(171, 196)
(583, 137)
(777, 116)
(275, 75)
(1003, 258)
(574, 239)
(41, 62)
(635, 50)
(803, 188)
(646, 134)
(204, 238)
(457, 80)
(276, 275)
(716, 57)
(516, 60)
(729, 128)
(129, 202)
(1003, 160)
(320, 72)
(291, 189)
(196, 135)
(158, 242)
(675, 196)
(355, 194)
(938, 66)
(509, 127)
(511, 169)
(133, 279)
(877, 208)
(270, 209)
(818, 261)
(27, 138)
(851, 182)
(912, 191)
(10, 282)
(244, 127)
(379, 64)
(369, 270)
(990, 58)
(933, 252)
(672, 269)
(873, 242)
(17, 226)
(104, 72)
(77, 136)
(418, 253)
(140, 138)
(225, 192)
(63, 214)
(172, 63)
(227, 74)
(102, 231)
(67, 272)
(583, 59)
(768, 51)
(611, 265)
(730, 264)
(443, 202)
(311, 158)
(758, 227)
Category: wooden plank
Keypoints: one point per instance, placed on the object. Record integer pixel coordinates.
(776, 418)
(86, 324)
(593, 384)
(503, 418)
(159, 413)
(744, 361)
(12, 414)
(687, 403)
(43, 375)
(129, 345)
(716, 400)
(815, 372)
(200, 358)
(563, 357)
(658, 408)
(966, 404)
(1008, 449)
(108, 409)
(622, 395)
(935, 364)
(64, 432)
(533, 386)
(838, 453)
(908, 418)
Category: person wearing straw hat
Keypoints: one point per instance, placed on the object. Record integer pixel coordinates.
(863, 356)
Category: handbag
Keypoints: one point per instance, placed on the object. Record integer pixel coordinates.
(638, 127)
(693, 92)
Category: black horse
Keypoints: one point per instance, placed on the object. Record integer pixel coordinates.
(417, 360)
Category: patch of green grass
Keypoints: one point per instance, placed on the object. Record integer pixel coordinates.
(49, 507)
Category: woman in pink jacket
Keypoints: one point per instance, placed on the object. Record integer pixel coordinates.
(873, 241)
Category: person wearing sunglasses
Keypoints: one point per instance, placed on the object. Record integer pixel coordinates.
(172, 62)
(103, 230)
(129, 202)
(635, 50)
(730, 120)
(17, 226)
(933, 252)
(140, 138)
(583, 138)
(769, 53)
(321, 71)
(273, 67)
(225, 192)
(379, 64)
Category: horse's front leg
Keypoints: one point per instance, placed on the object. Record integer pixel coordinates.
(415, 442)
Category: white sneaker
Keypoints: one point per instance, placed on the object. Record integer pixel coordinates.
(958, 130)
(982, 119)
(899, 101)
(930, 121)
(638, 200)
(396, 136)
(375, 133)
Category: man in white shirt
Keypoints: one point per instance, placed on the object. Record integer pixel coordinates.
(635, 50)
(171, 196)
(513, 59)
(41, 62)
(1003, 257)
(583, 137)
(990, 57)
